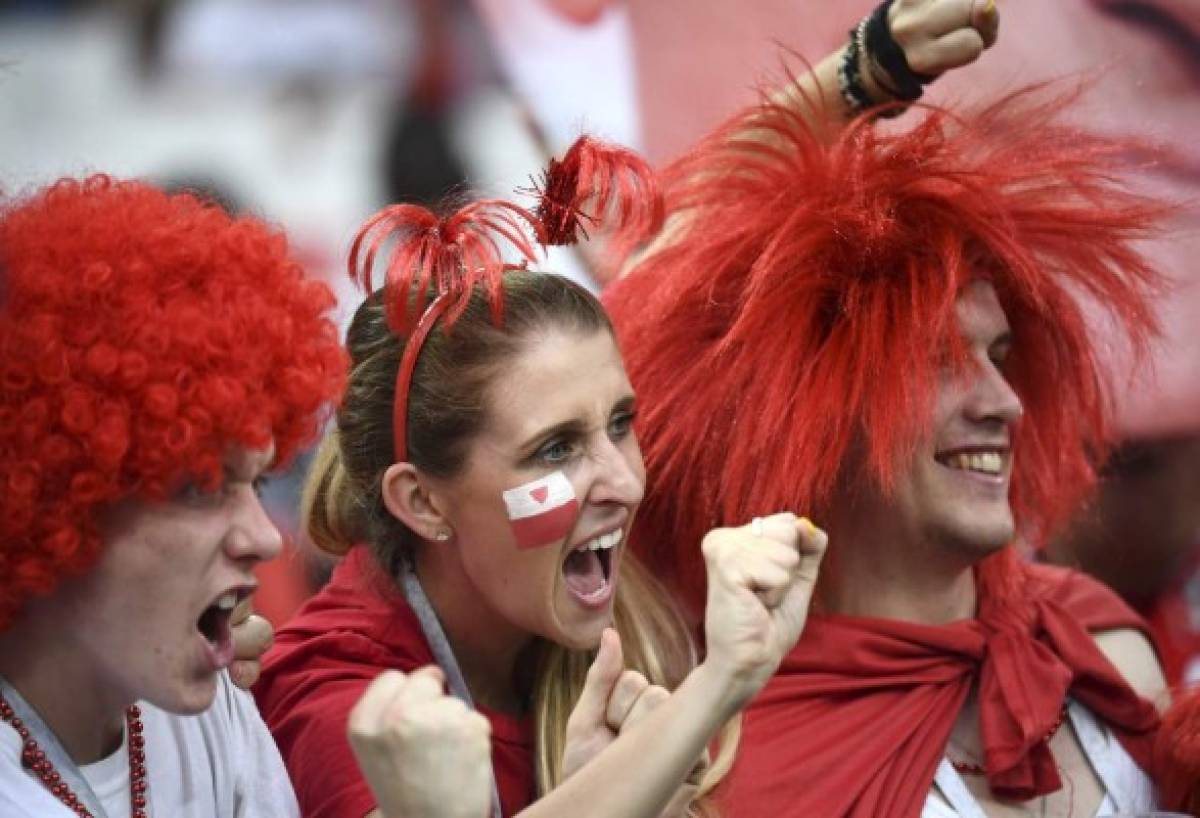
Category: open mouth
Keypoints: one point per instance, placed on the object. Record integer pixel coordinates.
(214, 626)
(588, 569)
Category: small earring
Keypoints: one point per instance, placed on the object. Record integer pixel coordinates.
(442, 535)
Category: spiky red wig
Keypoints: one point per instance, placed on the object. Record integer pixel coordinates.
(810, 305)
(141, 336)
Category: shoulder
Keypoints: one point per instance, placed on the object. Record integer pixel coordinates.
(350, 629)
(1119, 632)
(1133, 655)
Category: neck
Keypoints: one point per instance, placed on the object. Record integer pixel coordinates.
(489, 657)
(55, 678)
(886, 575)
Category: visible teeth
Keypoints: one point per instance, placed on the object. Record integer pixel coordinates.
(227, 601)
(601, 543)
(985, 462)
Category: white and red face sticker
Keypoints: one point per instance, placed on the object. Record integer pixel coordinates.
(542, 512)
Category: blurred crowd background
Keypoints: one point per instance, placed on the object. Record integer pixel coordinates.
(314, 113)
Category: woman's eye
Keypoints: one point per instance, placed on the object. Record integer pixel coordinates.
(555, 452)
(621, 425)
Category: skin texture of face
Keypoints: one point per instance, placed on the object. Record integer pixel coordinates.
(565, 404)
(136, 614)
(954, 495)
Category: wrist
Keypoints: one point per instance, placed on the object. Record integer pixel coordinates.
(725, 688)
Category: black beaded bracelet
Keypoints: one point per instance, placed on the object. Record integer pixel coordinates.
(850, 73)
(883, 50)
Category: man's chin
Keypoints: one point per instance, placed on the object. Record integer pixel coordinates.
(979, 539)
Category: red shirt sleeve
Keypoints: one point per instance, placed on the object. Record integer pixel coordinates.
(306, 701)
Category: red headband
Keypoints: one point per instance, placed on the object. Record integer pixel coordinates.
(454, 255)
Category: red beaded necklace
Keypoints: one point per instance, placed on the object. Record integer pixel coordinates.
(970, 768)
(34, 758)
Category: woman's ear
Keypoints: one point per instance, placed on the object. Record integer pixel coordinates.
(408, 498)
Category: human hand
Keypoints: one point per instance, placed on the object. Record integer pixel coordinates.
(252, 635)
(760, 583)
(424, 754)
(939, 35)
(613, 700)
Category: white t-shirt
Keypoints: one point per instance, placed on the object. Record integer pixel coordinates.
(221, 763)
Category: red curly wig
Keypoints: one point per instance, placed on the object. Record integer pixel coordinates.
(141, 335)
(810, 306)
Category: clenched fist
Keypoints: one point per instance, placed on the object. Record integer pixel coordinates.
(425, 754)
(938, 35)
(760, 583)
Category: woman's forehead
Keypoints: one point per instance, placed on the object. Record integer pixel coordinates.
(557, 377)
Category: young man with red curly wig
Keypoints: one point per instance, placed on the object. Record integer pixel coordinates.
(157, 357)
(887, 332)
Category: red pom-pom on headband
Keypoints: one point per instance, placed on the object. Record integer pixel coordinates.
(613, 182)
(450, 257)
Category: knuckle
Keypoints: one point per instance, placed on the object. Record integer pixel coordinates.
(922, 61)
(656, 695)
(632, 682)
(905, 26)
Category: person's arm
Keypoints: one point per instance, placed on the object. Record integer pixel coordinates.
(759, 590)
(936, 36)
(424, 754)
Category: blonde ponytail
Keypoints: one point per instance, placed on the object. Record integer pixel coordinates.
(327, 504)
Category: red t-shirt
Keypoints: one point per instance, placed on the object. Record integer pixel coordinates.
(321, 663)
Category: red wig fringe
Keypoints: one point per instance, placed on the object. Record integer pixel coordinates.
(819, 280)
(141, 335)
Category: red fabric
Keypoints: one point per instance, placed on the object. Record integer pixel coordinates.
(1177, 754)
(857, 718)
(320, 664)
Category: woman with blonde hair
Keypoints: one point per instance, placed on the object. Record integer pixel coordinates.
(484, 458)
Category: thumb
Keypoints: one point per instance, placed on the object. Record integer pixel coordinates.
(434, 672)
(602, 677)
(985, 18)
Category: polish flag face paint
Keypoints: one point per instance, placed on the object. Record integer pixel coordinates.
(542, 512)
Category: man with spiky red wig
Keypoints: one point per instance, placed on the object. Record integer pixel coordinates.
(890, 332)
(157, 357)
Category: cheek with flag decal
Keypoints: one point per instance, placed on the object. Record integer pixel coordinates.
(542, 512)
